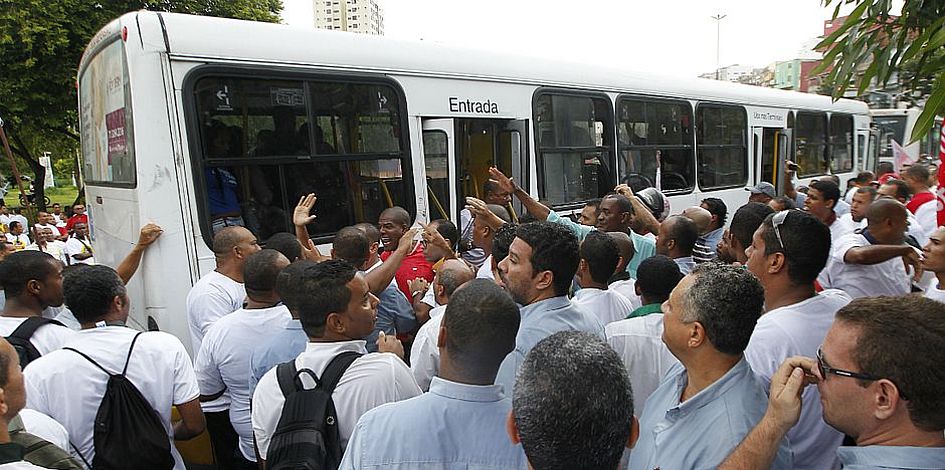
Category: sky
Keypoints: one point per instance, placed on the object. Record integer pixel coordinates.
(666, 37)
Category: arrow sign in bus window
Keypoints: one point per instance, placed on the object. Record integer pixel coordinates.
(224, 96)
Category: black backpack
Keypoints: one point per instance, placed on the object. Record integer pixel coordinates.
(20, 339)
(128, 433)
(307, 435)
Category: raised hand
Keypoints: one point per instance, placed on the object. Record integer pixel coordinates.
(506, 184)
(302, 214)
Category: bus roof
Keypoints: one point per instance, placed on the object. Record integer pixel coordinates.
(219, 39)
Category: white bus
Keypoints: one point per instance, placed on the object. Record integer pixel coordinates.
(187, 120)
(897, 125)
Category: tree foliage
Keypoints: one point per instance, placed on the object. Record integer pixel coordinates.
(875, 45)
(41, 42)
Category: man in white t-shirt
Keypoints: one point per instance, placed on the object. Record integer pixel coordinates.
(899, 191)
(425, 355)
(46, 220)
(874, 261)
(822, 199)
(218, 293)
(79, 246)
(336, 310)
(933, 260)
(223, 362)
(47, 243)
(158, 366)
(862, 198)
(16, 236)
(786, 254)
(32, 282)
(599, 257)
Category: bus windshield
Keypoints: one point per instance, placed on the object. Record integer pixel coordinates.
(890, 128)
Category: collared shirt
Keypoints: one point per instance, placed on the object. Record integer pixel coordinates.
(371, 380)
(934, 293)
(282, 347)
(686, 264)
(627, 288)
(223, 362)
(485, 270)
(424, 354)
(706, 245)
(643, 247)
(646, 310)
(608, 305)
(455, 425)
(799, 330)
(539, 321)
(892, 457)
(639, 343)
(394, 313)
(703, 430)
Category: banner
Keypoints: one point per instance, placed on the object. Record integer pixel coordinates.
(900, 156)
(940, 192)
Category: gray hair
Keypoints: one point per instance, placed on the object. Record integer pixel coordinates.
(727, 301)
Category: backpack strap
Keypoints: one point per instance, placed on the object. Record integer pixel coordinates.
(87, 358)
(286, 373)
(335, 369)
(130, 348)
(29, 326)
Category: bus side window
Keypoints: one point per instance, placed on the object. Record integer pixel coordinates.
(722, 139)
(647, 126)
(811, 142)
(841, 143)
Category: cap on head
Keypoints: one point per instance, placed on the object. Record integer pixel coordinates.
(765, 188)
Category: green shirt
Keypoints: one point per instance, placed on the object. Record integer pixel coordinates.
(645, 310)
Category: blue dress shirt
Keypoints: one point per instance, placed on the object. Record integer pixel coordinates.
(394, 314)
(453, 426)
(886, 457)
(283, 347)
(539, 321)
(643, 247)
(702, 431)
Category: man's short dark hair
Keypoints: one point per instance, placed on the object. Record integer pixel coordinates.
(865, 177)
(684, 231)
(260, 272)
(746, 220)
(902, 189)
(397, 214)
(623, 204)
(601, 254)
(481, 322)
(902, 339)
(555, 249)
(287, 244)
(867, 190)
(502, 240)
(14, 224)
(451, 279)
(917, 172)
(370, 230)
(828, 189)
(573, 404)
(785, 202)
(595, 203)
(352, 245)
(313, 290)
(885, 167)
(90, 291)
(806, 245)
(226, 239)
(490, 187)
(728, 301)
(657, 276)
(21, 267)
(448, 231)
(716, 207)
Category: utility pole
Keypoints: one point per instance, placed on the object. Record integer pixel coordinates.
(718, 42)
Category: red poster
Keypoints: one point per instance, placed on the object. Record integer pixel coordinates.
(115, 125)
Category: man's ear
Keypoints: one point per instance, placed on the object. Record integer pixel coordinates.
(512, 429)
(634, 433)
(334, 323)
(544, 280)
(441, 338)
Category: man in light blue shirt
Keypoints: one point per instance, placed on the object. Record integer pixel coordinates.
(709, 402)
(880, 376)
(542, 261)
(573, 404)
(462, 418)
(614, 214)
(676, 239)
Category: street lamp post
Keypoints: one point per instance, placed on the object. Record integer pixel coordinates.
(718, 41)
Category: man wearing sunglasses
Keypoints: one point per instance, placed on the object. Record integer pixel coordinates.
(787, 252)
(880, 376)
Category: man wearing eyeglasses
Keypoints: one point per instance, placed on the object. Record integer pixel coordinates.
(876, 260)
(787, 252)
(880, 376)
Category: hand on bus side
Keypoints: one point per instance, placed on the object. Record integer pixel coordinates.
(506, 184)
(149, 233)
(301, 216)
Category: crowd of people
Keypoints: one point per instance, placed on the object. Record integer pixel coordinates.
(64, 237)
(633, 337)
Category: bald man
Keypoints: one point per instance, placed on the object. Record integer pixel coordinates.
(875, 261)
(621, 281)
(425, 355)
(701, 216)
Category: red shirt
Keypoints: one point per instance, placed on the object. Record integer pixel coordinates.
(412, 267)
(918, 200)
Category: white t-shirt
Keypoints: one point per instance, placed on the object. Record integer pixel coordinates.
(55, 248)
(627, 288)
(224, 362)
(934, 293)
(607, 305)
(69, 388)
(429, 297)
(927, 217)
(21, 240)
(840, 227)
(919, 232)
(841, 207)
(41, 425)
(74, 246)
(46, 338)
(864, 280)
(799, 330)
(371, 380)
(21, 465)
(424, 354)
(485, 271)
(638, 341)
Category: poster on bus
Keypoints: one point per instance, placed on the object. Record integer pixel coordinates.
(105, 114)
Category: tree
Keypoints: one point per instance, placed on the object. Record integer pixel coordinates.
(41, 42)
(872, 45)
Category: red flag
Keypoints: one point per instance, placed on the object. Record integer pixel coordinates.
(940, 192)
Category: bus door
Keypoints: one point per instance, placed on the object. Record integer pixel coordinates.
(771, 148)
(865, 147)
(457, 156)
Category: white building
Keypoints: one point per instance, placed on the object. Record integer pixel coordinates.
(356, 16)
